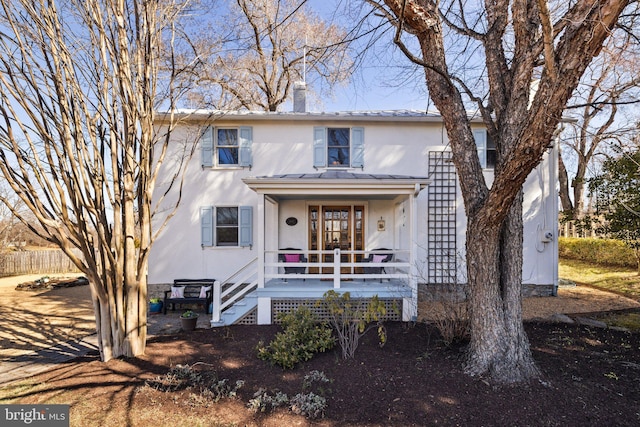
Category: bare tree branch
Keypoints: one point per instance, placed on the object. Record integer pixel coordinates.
(79, 87)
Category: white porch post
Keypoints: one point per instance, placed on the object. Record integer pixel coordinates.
(260, 244)
(217, 301)
(264, 311)
(410, 308)
(336, 268)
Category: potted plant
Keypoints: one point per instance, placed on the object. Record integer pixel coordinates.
(188, 319)
(155, 305)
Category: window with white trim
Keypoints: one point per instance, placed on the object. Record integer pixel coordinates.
(227, 146)
(336, 147)
(486, 148)
(226, 225)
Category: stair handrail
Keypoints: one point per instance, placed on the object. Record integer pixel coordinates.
(219, 293)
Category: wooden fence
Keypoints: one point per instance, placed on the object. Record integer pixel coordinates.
(35, 262)
(578, 229)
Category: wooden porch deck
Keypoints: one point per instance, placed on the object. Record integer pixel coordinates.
(315, 288)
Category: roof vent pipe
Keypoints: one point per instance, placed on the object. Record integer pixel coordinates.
(299, 97)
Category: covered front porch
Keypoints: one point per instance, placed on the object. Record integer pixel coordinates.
(337, 230)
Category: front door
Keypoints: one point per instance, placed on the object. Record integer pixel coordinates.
(336, 227)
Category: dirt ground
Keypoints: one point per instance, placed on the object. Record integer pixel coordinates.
(32, 321)
(35, 320)
(589, 379)
(589, 375)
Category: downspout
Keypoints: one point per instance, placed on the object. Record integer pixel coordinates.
(553, 179)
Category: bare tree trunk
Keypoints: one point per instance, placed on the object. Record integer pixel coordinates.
(520, 121)
(499, 345)
(488, 343)
(518, 363)
(82, 159)
(578, 189)
(563, 178)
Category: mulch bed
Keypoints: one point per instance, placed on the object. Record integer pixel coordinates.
(590, 379)
(46, 283)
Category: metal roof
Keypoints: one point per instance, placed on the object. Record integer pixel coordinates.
(342, 174)
(337, 183)
(358, 116)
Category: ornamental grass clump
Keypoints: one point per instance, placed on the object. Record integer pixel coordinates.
(302, 337)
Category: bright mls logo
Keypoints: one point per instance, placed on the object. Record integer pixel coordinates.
(34, 415)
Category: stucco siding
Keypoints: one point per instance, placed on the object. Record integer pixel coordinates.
(286, 147)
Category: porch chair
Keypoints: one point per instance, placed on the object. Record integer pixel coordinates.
(292, 258)
(372, 257)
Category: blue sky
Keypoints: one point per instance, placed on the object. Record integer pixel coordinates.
(376, 96)
(385, 78)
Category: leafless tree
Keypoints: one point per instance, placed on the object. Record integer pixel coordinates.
(505, 45)
(251, 56)
(79, 87)
(609, 87)
(10, 230)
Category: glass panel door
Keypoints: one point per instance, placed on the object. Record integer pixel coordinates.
(332, 227)
(314, 219)
(336, 230)
(358, 220)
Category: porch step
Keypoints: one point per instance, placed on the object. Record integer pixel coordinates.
(237, 310)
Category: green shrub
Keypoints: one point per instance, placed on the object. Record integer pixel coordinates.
(307, 403)
(264, 402)
(302, 336)
(598, 251)
(352, 318)
(206, 386)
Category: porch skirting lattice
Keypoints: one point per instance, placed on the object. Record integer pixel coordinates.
(251, 318)
(393, 307)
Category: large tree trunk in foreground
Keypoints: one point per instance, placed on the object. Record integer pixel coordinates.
(518, 47)
(518, 363)
(499, 345)
(488, 331)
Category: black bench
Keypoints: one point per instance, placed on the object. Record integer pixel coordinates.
(191, 294)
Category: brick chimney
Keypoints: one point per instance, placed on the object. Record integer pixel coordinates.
(299, 97)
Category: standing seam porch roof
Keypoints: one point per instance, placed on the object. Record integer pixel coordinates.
(334, 182)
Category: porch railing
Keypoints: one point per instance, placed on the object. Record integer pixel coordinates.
(328, 265)
(233, 289)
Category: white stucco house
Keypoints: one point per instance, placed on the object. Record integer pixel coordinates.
(280, 207)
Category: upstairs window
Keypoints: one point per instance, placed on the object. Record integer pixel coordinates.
(227, 147)
(486, 148)
(338, 147)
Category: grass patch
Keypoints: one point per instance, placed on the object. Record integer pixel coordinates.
(10, 393)
(629, 320)
(620, 280)
(606, 251)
